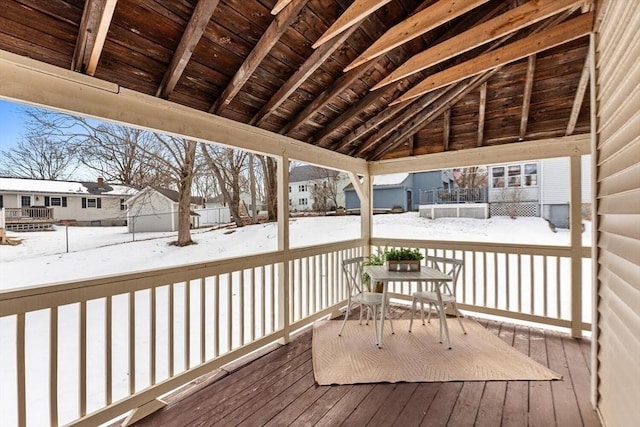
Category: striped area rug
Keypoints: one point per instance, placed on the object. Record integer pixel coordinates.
(417, 356)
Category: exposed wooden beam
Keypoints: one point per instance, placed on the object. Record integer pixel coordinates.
(563, 33)
(482, 105)
(338, 86)
(580, 91)
(390, 112)
(414, 26)
(269, 38)
(452, 95)
(94, 26)
(510, 21)
(528, 150)
(190, 38)
(446, 134)
(279, 6)
(358, 10)
(410, 144)
(526, 98)
(312, 63)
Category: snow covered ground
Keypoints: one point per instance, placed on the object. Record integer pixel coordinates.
(41, 258)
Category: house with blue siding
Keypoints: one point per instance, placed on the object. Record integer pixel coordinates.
(401, 191)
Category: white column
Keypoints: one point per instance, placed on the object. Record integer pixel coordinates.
(575, 224)
(283, 244)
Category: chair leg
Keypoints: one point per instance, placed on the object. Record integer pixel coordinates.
(422, 311)
(375, 325)
(455, 308)
(344, 322)
(429, 314)
(360, 319)
(413, 312)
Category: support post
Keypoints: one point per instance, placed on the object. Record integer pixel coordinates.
(575, 224)
(283, 245)
(144, 410)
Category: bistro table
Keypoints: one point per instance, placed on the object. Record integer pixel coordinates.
(380, 273)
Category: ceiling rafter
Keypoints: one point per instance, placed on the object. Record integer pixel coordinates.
(355, 13)
(580, 92)
(446, 134)
(563, 33)
(314, 62)
(391, 111)
(526, 98)
(279, 6)
(96, 19)
(482, 106)
(193, 32)
(269, 38)
(508, 22)
(427, 116)
(414, 26)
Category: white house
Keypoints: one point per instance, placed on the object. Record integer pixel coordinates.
(80, 202)
(156, 209)
(307, 182)
(536, 188)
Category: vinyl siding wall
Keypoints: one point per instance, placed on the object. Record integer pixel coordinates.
(618, 214)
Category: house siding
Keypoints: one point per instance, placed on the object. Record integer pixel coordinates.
(150, 211)
(618, 215)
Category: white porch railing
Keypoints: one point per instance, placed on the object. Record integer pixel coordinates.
(87, 352)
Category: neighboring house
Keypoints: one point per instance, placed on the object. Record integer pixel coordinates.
(312, 188)
(85, 203)
(536, 188)
(156, 209)
(402, 190)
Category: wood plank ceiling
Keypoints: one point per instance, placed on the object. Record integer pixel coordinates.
(373, 79)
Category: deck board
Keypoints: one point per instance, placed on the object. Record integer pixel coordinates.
(278, 389)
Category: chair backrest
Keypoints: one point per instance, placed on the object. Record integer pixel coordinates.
(352, 269)
(449, 266)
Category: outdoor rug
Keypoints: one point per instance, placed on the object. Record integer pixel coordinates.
(417, 356)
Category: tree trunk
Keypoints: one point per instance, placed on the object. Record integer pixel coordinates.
(271, 187)
(184, 195)
(252, 188)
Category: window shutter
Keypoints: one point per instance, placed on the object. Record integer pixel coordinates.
(84, 203)
(98, 203)
(64, 202)
(46, 200)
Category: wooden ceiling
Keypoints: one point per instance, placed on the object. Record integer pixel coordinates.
(373, 79)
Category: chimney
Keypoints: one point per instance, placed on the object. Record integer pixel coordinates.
(101, 182)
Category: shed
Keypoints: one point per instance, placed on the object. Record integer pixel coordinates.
(155, 209)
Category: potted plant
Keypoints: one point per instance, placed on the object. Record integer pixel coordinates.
(373, 259)
(403, 259)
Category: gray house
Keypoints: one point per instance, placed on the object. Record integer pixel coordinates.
(402, 190)
(156, 209)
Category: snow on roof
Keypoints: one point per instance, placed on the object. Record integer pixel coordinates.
(56, 187)
(390, 179)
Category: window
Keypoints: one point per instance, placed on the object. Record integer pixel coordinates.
(530, 175)
(497, 175)
(55, 201)
(25, 201)
(302, 202)
(122, 205)
(91, 203)
(514, 175)
(303, 188)
(1, 202)
(289, 189)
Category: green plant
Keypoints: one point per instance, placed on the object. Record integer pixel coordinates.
(378, 258)
(403, 254)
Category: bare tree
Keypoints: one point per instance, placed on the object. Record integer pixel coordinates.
(39, 156)
(227, 166)
(269, 170)
(472, 177)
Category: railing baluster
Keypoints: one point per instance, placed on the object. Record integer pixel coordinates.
(170, 343)
(241, 308)
(21, 370)
(298, 264)
(545, 284)
(475, 278)
(53, 366)
(252, 304)
(484, 278)
(82, 368)
(263, 302)
(558, 290)
(216, 315)
(229, 311)
(495, 280)
(533, 283)
(152, 338)
(132, 343)
(507, 281)
(187, 325)
(519, 283)
(203, 320)
(273, 297)
(108, 350)
(308, 285)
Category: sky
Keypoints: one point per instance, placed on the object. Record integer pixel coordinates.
(97, 251)
(11, 123)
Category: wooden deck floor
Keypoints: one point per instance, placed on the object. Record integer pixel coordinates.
(278, 389)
